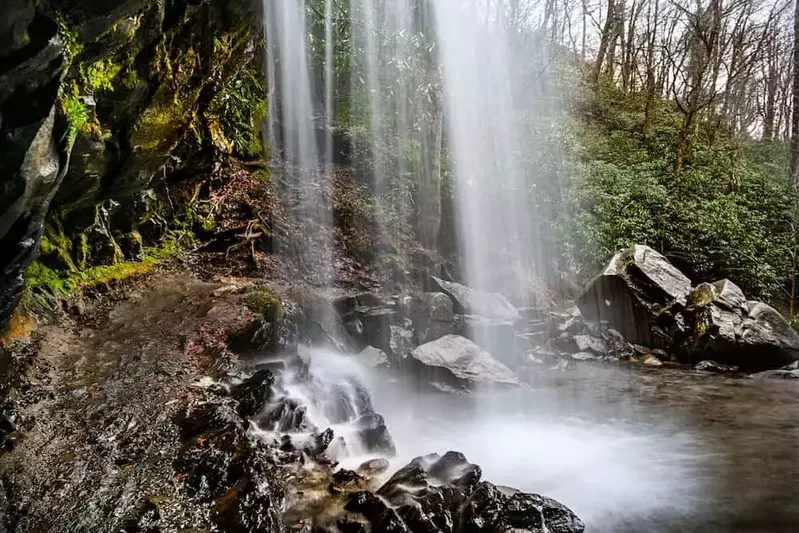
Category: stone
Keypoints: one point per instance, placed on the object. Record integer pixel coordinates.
(717, 368)
(588, 343)
(373, 357)
(222, 468)
(640, 294)
(777, 374)
(470, 301)
(373, 467)
(459, 358)
(373, 434)
(726, 328)
(651, 360)
(254, 393)
(492, 509)
(401, 341)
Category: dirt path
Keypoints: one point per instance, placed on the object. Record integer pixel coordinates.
(99, 436)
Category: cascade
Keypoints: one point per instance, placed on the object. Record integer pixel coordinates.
(305, 146)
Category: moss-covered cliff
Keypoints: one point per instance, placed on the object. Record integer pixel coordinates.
(99, 102)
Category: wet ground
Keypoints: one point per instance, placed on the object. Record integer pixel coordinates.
(630, 450)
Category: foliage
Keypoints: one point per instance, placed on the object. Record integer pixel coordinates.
(727, 214)
(241, 108)
(77, 115)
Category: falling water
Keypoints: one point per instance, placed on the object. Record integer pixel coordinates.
(495, 93)
(305, 185)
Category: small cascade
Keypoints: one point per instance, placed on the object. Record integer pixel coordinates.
(325, 407)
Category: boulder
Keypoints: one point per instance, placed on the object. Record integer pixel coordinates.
(726, 328)
(470, 301)
(373, 357)
(640, 294)
(777, 374)
(444, 494)
(460, 360)
(253, 393)
(716, 368)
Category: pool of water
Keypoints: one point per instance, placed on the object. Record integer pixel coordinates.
(628, 450)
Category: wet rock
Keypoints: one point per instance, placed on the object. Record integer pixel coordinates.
(651, 360)
(726, 328)
(470, 301)
(777, 374)
(374, 467)
(373, 357)
(435, 494)
(254, 393)
(401, 342)
(380, 516)
(640, 294)
(223, 469)
(320, 322)
(373, 434)
(460, 360)
(491, 509)
(718, 368)
(591, 344)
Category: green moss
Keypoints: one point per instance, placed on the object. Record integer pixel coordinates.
(99, 76)
(265, 302)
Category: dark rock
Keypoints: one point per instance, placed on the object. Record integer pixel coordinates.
(460, 360)
(640, 294)
(435, 494)
(254, 393)
(490, 509)
(225, 470)
(381, 517)
(726, 328)
(718, 368)
(470, 301)
(373, 434)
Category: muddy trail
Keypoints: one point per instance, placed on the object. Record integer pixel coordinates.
(97, 416)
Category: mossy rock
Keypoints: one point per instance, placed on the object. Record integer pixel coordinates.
(265, 302)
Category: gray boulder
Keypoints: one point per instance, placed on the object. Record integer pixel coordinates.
(726, 328)
(458, 359)
(470, 301)
(640, 294)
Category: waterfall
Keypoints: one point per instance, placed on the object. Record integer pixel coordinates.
(306, 146)
(494, 90)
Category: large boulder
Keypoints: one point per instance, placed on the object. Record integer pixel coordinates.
(641, 295)
(444, 494)
(470, 301)
(453, 358)
(725, 327)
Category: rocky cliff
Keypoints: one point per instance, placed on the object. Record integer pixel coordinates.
(99, 102)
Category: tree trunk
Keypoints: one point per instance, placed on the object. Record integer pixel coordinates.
(794, 177)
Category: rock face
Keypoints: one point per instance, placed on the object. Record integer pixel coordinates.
(95, 100)
(653, 304)
(460, 360)
(444, 494)
(640, 294)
